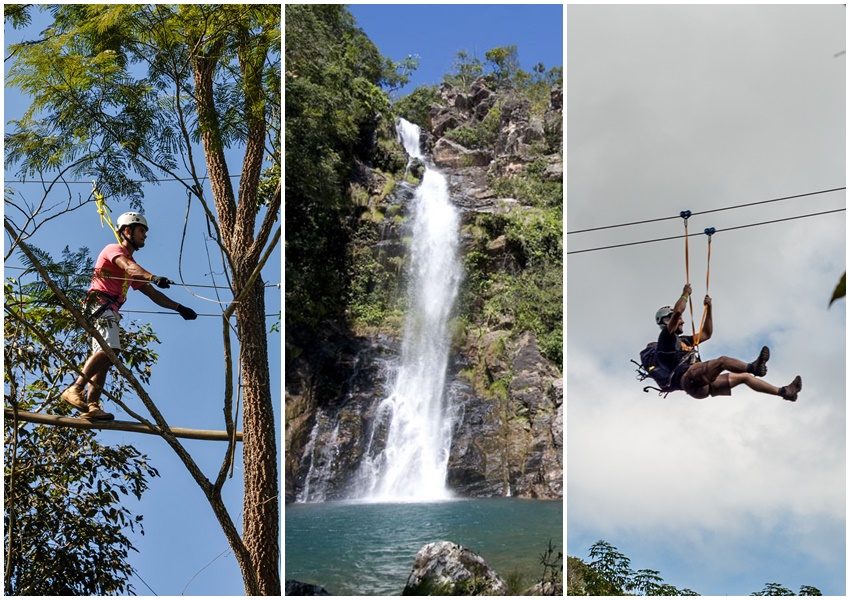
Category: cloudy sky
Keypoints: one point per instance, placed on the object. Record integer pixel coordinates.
(673, 108)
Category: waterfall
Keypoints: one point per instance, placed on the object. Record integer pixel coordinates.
(412, 464)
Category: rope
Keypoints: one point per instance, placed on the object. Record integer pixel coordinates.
(685, 214)
(709, 232)
(103, 210)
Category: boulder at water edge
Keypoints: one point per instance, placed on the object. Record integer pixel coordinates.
(447, 569)
(298, 588)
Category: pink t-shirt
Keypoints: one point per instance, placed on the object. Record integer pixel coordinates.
(109, 278)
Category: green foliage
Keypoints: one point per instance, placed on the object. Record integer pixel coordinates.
(18, 14)
(65, 524)
(776, 589)
(531, 188)
(773, 589)
(504, 61)
(502, 70)
(552, 579)
(93, 114)
(375, 293)
(528, 296)
(609, 574)
(481, 135)
(333, 94)
(807, 590)
(397, 75)
(466, 70)
(416, 106)
(840, 289)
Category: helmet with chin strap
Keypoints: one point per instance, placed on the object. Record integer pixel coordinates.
(128, 219)
(663, 313)
(132, 218)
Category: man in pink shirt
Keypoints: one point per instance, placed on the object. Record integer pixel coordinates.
(115, 273)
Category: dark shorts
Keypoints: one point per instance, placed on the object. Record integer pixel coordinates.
(697, 382)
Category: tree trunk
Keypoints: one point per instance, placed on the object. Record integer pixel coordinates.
(261, 522)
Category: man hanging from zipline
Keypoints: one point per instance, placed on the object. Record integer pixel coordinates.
(676, 353)
(115, 272)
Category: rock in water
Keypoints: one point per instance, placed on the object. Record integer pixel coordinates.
(298, 588)
(447, 569)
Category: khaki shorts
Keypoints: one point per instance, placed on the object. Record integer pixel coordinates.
(697, 382)
(107, 326)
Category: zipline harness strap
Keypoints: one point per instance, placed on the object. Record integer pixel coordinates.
(709, 232)
(685, 214)
(103, 210)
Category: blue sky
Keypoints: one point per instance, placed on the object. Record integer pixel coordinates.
(437, 32)
(183, 549)
(699, 107)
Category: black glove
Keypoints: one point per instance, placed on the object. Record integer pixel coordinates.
(187, 313)
(161, 282)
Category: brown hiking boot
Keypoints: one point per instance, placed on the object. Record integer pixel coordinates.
(759, 366)
(96, 413)
(76, 397)
(790, 391)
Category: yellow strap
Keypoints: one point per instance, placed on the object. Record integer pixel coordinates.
(103, 211)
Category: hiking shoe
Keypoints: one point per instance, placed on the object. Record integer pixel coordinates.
(96, 413)
(759, 366)
(790, 391)
(76, 397)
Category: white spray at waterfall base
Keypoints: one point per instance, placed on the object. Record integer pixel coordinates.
(412, 466)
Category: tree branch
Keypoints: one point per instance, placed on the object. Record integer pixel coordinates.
(75, 423)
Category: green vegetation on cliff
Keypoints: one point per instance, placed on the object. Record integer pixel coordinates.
(334, 102)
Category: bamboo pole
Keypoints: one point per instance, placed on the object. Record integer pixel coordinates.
(190, 434)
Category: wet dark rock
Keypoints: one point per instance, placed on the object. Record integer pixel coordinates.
(447, 569)
(298, 588)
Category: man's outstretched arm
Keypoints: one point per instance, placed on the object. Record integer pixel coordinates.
(166, 302)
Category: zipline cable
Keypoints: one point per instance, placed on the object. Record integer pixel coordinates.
(678, 237)
(44, 181)
(199, 285)
(705, 212)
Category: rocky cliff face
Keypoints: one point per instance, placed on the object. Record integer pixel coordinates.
(505, 396)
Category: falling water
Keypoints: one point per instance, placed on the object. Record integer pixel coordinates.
(413, 463)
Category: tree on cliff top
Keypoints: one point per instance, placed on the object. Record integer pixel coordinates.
(127, 92)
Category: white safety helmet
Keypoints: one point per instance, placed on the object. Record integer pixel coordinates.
(663, 313)
(132, 218)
